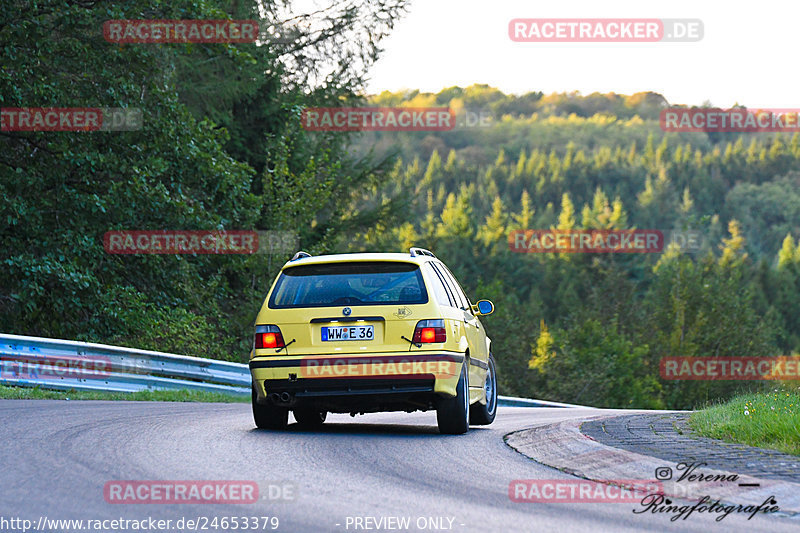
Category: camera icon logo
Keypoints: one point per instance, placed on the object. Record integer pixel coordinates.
(663, 473)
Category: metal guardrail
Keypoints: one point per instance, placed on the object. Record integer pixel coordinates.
(64, 365)
(510, 401)
(72, 365)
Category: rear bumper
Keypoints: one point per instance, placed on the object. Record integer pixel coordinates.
(315, 388)
(363, 377)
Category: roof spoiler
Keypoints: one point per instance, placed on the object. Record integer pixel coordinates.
(421, 251)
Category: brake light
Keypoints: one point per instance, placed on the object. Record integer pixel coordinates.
(428, 335)
(269, 337)
(428, 331)
(269, 340)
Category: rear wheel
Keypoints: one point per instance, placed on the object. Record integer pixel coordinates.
(268, 416)
(452, 413)
(483, 414)
(310, 417)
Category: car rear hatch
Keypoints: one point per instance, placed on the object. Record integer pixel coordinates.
(348, 308)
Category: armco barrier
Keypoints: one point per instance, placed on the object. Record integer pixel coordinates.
(510, 401)
(131, 370)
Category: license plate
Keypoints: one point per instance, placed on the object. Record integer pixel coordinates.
(348, 333)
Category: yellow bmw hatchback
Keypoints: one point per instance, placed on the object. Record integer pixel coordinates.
(361, 333)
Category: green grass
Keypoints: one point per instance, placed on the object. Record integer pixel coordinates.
(24, 393)
(767, 420)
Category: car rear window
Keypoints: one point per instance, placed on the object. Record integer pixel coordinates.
(351, 284)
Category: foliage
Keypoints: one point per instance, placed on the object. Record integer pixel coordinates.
(592, 328)
(220, 148)
(22, 393)
(769, 419)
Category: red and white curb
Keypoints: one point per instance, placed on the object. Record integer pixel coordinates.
(564, 447)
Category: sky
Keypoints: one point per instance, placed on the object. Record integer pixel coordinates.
(748, 54)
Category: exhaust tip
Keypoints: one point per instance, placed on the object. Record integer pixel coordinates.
(285, 397)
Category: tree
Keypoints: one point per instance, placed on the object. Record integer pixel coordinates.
(524, 218)
(602, 215)
(434, 171)
(566, 218)
(220, 147)
(455, 218)
(543, 349)
(733, 247)
(495, 228)
(788, 254)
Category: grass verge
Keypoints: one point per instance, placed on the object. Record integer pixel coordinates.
(767, 420)
(25, 393)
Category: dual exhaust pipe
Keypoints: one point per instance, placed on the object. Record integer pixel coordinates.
(282, 397)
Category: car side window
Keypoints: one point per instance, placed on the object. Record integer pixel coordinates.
(440, 292)
(459, 290)
(458, 301)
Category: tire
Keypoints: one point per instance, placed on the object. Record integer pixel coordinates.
(308, 417)
(268, 416)
(483, 414)
(452, 414)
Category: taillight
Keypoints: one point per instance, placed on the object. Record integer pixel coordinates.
(269, 337)
(428, 331)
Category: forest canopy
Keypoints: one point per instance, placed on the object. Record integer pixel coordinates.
(221, 147)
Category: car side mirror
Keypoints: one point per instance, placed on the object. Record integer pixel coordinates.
(485, 307)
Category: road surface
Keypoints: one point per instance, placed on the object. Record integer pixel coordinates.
(368, 473)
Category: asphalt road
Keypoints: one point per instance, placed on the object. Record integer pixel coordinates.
(56, 457)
